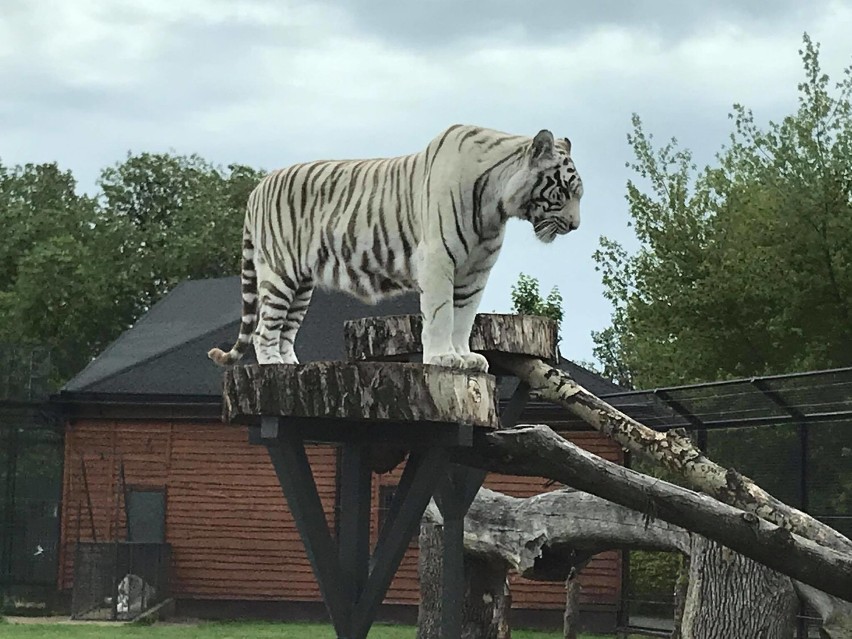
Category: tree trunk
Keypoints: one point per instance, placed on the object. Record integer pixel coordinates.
(571, 619)
(681, 588)
(486, 599)
(730, 596)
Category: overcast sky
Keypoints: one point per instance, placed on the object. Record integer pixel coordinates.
(268, 83)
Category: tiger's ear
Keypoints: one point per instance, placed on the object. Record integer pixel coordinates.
(568, 144)
(542, 146)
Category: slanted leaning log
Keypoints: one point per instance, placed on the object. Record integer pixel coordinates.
(539, 452)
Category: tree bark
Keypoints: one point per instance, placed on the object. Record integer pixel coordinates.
(571, 618)
(681, 588)
(732, 596)
(366, 391)
(539, 452)
(397, 337)
(487, 598)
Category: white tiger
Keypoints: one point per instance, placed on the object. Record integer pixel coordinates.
(432, 221)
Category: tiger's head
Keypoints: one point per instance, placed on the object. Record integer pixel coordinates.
(546, 189)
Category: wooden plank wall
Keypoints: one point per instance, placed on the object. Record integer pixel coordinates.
(232, 536)
(231, 533)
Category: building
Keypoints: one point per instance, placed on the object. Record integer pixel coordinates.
(147, 457)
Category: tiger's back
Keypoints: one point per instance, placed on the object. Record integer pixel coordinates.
(346, 224)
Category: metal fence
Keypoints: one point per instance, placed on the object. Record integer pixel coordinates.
(791, 434)
(119, 580)
(31, 455)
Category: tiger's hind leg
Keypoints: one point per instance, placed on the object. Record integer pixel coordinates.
(295, 315)
(276, 293)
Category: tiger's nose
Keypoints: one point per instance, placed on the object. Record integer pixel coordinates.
(574, 225)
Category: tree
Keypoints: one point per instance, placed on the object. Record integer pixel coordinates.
(77, 270)
(743, 267)
(183, 217)
(527, 300)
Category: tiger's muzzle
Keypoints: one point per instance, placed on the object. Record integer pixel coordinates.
(548, 228)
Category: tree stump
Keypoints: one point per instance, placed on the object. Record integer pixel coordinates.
(487, 600)
(374, 392)
(397, 337)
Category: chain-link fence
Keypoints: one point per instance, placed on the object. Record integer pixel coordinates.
(30, 482)
(119, 580)
(791, 434)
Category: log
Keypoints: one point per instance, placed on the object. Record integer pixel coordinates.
(536, 451)
(543, 537)
(397, 337)
(676, 452)
(673, 450)
(374, 392)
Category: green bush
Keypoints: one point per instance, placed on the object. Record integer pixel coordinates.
(653, 574)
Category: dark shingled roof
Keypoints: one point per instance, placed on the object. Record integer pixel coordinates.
(165, 352)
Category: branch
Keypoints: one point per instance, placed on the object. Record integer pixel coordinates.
(673, 450)
(537, 451)
(540, 537)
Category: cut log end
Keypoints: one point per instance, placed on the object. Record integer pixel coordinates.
(397, 337)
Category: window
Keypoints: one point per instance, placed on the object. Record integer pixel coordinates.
(146, 515)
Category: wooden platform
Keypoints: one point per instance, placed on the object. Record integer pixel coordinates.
(378, 392)
(397, 337)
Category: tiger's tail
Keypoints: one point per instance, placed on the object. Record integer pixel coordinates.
(249, 318)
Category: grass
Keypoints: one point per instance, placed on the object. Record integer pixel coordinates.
(235, 630)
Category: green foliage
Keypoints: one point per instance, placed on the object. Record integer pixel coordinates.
(653, 574)
(744, 267)
(75, 271)
(527, 300)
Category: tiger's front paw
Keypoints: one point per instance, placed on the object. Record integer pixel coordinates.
(474, 362)
(447, 360)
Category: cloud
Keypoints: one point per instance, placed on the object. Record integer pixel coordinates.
(269, 83)
(438, 24)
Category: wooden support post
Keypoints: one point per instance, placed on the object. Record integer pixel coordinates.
(287, 452)
(355, 497)
(422, 473)
(454, 497)
(351, 584)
